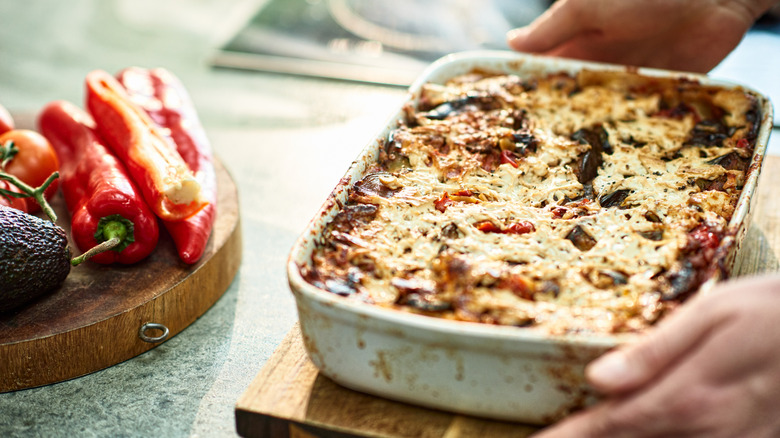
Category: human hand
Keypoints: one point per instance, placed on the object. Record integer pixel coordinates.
(711, 369)
(691, 35)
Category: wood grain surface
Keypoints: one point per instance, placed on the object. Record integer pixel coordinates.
(288, 398)
(93, 320)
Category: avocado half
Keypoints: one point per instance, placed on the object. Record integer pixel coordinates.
(34, 258)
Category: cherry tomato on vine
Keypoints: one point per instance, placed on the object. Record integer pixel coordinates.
(10, 201)
(34, 162)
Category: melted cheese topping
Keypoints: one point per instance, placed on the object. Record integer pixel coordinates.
(565, 204)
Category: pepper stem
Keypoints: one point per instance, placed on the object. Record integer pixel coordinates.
(97, 249)
(114, 232)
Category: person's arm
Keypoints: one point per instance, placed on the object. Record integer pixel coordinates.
(712, 369)
(690, 35)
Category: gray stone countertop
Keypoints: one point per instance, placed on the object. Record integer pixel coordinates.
(286, 141)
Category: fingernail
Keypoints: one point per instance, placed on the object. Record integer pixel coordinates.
(518, 33)
(609, 368)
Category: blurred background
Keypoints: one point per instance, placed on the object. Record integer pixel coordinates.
(370, 40)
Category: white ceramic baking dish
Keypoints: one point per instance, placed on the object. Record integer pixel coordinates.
(492, 371)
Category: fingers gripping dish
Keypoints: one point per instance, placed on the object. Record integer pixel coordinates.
(545, 199)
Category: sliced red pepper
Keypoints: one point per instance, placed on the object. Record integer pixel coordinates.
(464, 192)
(522, 227)
(558, 212)
(167, 184)
(102, 199)
(442, 203)
(167, 102)
(508, 157)
(487, 227)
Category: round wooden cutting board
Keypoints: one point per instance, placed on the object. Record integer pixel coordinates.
(101, 313)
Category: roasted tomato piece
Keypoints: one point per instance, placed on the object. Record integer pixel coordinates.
(442, 203)
(704, 237)
(487, 227)
(508, 157)
(522, 227)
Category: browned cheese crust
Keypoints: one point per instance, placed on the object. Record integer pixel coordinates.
(590, 203)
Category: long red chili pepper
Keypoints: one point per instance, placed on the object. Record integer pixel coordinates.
(167, 184)
(167, 102)
(103, 201)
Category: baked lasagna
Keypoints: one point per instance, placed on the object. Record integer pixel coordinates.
(571, 203)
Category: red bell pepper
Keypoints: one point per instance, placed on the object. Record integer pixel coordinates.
(167, 102)
(167, 184)
(103, 201)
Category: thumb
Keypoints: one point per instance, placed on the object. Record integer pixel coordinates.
(632, 365)
(558, 24)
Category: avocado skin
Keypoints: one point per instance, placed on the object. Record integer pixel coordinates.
(34, 258)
